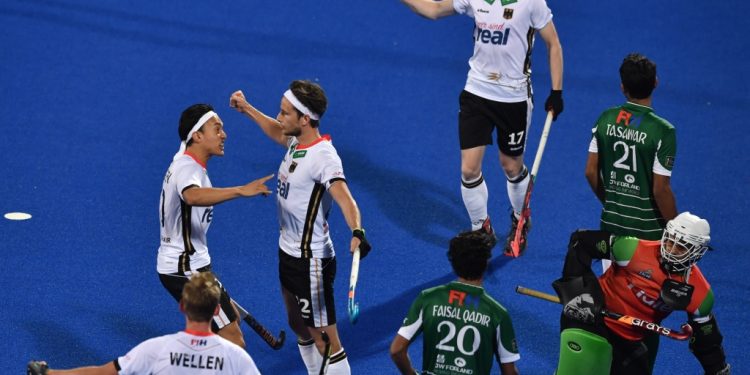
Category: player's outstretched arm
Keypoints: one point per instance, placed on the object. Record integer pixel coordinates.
(268, 124)
(343, 197)
(431, 9)
(198, 196)
(400, 355)
(106, 369)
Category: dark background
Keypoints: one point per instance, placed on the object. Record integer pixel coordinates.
(91, 93)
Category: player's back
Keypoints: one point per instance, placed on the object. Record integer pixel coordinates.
(187, 352)
(633, 144)
(461, 329)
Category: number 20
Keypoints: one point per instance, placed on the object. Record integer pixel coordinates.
(459, 340)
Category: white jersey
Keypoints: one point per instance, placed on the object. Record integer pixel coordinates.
(183, 228)
(186, 353)
(303, 200)
(500, 68)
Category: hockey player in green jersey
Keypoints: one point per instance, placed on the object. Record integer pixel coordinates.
(464, 328)
(631, 155)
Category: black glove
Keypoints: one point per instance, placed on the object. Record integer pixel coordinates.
(37, 368)
(581, 297)
(555, 103)
(364, 246)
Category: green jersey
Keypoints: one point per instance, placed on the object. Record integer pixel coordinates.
(633, 144)
(463, 329)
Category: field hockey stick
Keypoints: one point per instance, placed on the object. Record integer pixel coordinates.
(326, 352)
(263, 332)
(518, 239)
(685, 332)
(353, 307)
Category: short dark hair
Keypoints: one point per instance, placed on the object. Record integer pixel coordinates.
(469, 253)
(312, 96)
(638, 76)
(200, 296)
(190, 117)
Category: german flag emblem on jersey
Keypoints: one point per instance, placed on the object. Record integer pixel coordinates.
(508, 13)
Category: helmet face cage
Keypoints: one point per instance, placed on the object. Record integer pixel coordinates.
(674, 259)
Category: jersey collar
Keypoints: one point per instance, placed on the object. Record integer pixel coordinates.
(639, 107)
(198, 333)
(196, 159)
(466, 286)
(325, 137)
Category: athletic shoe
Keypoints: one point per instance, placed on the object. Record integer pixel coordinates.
(489, 233)
(512, 234)
(37, 368)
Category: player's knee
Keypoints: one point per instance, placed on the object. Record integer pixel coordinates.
(515, 172)
(470, 173)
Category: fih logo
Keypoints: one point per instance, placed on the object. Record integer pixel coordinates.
(198, 342)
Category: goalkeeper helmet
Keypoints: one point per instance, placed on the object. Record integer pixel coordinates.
(684, 242)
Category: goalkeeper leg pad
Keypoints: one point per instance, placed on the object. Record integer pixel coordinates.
(583, 353)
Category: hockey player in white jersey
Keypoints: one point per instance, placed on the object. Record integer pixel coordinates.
(498, 94)
(186, 210)
(196, 350)
(310, 178)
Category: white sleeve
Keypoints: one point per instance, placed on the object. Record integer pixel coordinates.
(658, 167)
(409, 331)
(139, 359)
(186, 176)
(328, 168)
(505, 355)
(541, 15)
(593, 145)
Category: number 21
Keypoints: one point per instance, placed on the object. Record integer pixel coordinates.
(621, 162)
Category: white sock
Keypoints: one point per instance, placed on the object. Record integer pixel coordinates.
(475, 195)
(517, 190)
(310, 356)
(338, 364)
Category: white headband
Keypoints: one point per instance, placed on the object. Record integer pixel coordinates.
(300, 107)
(196, 127)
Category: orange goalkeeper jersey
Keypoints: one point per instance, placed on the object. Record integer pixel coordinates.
(633, 284)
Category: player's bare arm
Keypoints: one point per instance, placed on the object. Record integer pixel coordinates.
(554, 52)
(664, 197)
(400, 355)
(269, 125)
(509, 369)
(197, 196)
(343, 197)
(592, 175)
(108, 369)
(431, 9)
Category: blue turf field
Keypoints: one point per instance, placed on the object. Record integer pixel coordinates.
(91, 92)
